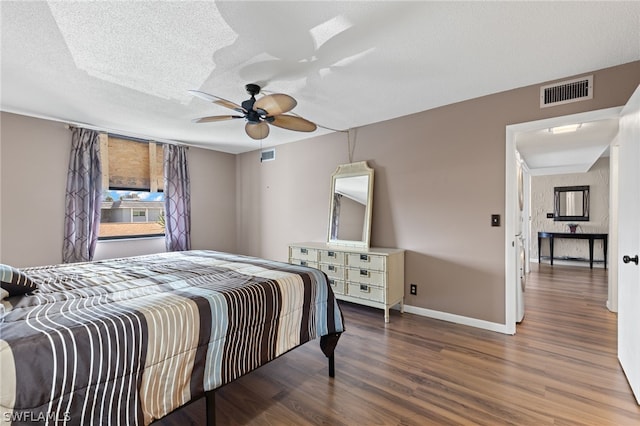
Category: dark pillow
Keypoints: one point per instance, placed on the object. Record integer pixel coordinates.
(15, 281)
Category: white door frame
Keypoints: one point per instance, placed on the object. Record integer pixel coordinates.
(511, 200)
(612, 294)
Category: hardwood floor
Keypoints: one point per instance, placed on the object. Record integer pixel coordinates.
(559, 369)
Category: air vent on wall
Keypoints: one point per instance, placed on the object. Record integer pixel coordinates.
(564, 92)
(268, 155)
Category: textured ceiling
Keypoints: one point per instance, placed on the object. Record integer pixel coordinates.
(126, 66)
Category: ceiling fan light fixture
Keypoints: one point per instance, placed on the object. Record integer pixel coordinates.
(257, 131)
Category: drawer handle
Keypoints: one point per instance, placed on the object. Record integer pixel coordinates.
(364, 288)
(332, 283)
(303, 263)
(364, 257)
(331, 254)
(332, 268)
(364, 273)
(304, 251)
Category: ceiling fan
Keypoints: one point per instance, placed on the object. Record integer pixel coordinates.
(259, 113)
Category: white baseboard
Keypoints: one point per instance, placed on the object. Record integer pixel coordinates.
(584, 264)
(457, 319)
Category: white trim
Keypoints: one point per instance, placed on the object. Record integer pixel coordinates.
(563, 262)
(510, 230)
(122, 239)
(457, 319)
(614, 196)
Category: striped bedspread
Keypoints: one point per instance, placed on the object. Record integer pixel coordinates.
(126, 341)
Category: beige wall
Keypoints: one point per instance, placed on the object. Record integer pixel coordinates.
(439, 175)
(35, 155)
(542, 199)
(213, 200)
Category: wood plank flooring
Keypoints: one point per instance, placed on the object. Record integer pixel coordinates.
(559, 369)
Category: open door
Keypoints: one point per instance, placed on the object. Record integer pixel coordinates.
(629, 242)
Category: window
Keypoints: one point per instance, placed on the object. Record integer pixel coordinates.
(139, 215)
(132, 199)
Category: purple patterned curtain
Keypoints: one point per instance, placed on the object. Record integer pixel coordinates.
(177, 199)
(83, 197)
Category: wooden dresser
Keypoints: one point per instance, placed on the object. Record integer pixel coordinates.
(372, 277)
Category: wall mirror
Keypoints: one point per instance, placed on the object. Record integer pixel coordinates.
(351, 204)
(571, 203)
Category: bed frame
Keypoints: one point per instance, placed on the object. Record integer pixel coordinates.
(211, 395)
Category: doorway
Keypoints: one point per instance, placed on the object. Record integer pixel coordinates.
(514, 133)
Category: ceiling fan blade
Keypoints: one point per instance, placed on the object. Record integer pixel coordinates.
(216, 118)
(257, 130)
(292, 122)
(217, 100)
(275, 104)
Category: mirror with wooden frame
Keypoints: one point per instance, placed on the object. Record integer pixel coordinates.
(571, 203)
(351, 205)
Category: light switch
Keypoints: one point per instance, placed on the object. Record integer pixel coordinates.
(495, 220)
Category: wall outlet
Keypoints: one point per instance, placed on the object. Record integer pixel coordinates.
(413, 289)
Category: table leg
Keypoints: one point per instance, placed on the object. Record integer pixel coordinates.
(551, 249)
(539, 249)
(591, 253)
(604, 249)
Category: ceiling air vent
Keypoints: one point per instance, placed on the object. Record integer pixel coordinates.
(565, 92)
(268, 155)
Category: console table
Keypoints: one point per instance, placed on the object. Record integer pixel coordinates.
(578, 236)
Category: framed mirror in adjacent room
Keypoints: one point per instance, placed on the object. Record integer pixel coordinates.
(571, 203)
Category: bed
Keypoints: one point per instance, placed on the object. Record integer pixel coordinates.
(127, 341)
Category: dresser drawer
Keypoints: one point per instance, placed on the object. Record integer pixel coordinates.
(330, 256)
(365, 291)
(303, 263)
(372, 277)
(303, 253)
(365, 261)
(333, 271)
(337, 286)
(366, 276)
